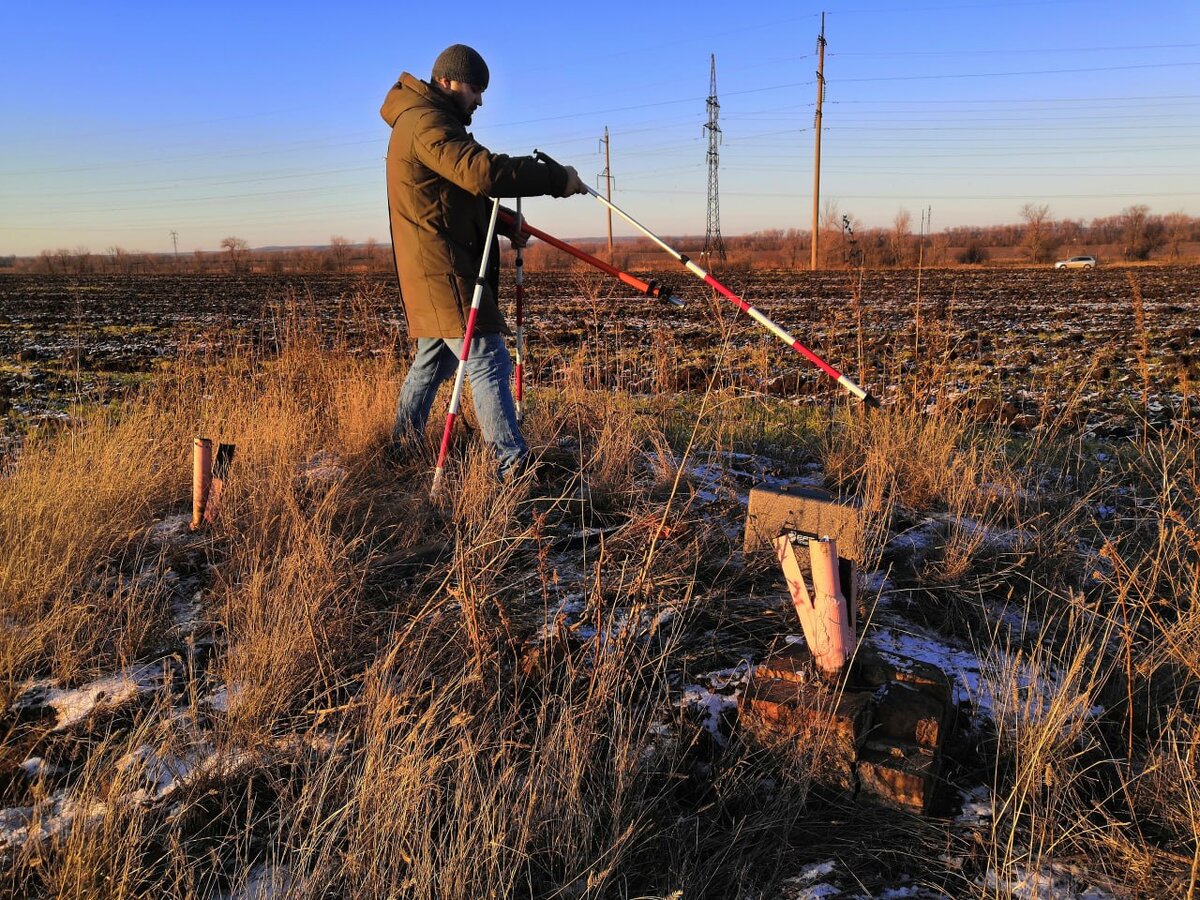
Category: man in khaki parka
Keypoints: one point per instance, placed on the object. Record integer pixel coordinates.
(439, 179)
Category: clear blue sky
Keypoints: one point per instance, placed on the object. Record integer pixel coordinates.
(120, 122)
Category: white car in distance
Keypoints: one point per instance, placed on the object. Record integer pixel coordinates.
(1076, 262)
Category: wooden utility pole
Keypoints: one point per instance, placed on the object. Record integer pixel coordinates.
(816, 216)
(607, 176)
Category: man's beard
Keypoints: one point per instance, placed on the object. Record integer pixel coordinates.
(464, 109)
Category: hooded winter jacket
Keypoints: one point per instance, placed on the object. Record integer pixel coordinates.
(439, 179)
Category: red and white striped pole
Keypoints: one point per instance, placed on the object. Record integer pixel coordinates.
(844, 380)
(650, 289)
(518, 392)
(468, 331)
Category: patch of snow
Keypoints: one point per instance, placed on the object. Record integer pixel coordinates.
(917, 542)
(323, 468)
(710, 707)
(1046, 883)
(218, 700)
(962, 666)
(171, 530)
(815, 871)
(566, 613)
(264, 881)
(161, 774)
(996, 539)
(977, 806)
(808, 884)
(36, 766)
(53, 818)
(75, 705)
(878, 583)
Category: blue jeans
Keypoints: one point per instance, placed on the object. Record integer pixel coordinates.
(489, 369)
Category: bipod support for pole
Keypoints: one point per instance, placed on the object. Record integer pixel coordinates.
(844, 380)
(460, 374)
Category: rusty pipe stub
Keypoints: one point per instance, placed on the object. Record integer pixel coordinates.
(201, 479)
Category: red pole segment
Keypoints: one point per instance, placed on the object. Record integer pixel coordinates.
(844, 380)
(651, 289)
(518, 397)
(468, 331)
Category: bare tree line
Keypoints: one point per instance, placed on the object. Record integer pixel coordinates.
(1134, 234)
(235, 257)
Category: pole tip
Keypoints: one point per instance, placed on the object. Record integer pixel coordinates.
(870, 401)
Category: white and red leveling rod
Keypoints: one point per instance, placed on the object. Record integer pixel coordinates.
(844, 380)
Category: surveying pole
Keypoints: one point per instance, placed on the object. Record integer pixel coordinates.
(816, 229)
(608, 179)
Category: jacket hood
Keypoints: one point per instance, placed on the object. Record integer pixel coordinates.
(411, 92)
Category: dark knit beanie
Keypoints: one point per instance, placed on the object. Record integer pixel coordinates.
(458, 62)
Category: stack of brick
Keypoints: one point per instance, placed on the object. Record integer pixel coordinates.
(877, 735)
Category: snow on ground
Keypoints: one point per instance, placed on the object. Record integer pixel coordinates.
(324, 468)
(163, 773)
(815, 882)
(1045, 883)
(53, 818)
(977, 806)
(715, 696)
(170, 531)
(74, 705)
(265, 881)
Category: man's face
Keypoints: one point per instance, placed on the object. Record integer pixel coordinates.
(468, 97)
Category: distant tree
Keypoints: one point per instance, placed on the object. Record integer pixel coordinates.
(1141, 233)
(1038, 243)
(939, 247)
(899, 239)
(1177, 226)
(371, 248)
(830, 249)
(119, 259)
(973, 254)
(237, 251)
(339, 247)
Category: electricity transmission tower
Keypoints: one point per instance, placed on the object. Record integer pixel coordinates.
(713, 245)
(608, 180)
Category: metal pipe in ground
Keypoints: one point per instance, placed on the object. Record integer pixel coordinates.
(833, 640)
(824, 617)
(201, 479)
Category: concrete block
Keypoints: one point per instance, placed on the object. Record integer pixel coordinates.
(774, 509)
(906, 715)
(793, 664)
(901, 776)
(826, 726)
(874, 668)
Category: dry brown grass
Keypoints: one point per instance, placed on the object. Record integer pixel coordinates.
(396, 732)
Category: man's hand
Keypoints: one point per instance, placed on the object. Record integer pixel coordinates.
(518, 238)
(575, 184)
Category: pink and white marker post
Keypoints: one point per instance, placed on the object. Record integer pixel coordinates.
(468, 331)
(844, 380)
